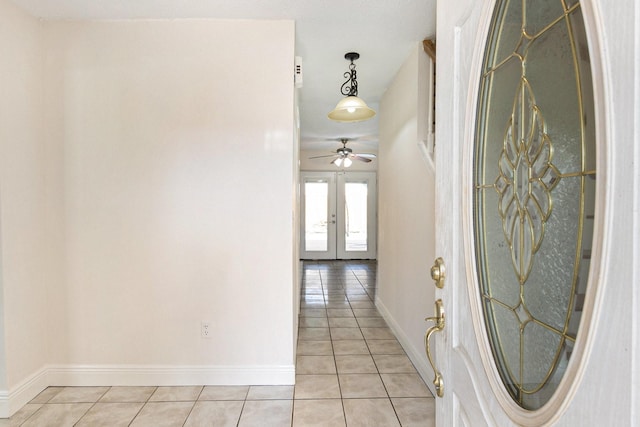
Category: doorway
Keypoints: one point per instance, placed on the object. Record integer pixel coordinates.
(338, 215)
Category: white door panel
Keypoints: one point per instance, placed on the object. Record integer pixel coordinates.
(598, 386)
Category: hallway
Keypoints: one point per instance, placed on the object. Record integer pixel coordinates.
(350, 368)
(350, 365)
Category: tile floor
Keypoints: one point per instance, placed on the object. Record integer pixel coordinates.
(351, 371)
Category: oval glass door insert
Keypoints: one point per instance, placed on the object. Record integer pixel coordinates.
(534, 196)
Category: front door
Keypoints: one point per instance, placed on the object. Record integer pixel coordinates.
(536, 117)
(338, 215)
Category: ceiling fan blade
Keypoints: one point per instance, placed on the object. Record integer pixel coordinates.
(319, 157)
(367, 155)
(358, 157)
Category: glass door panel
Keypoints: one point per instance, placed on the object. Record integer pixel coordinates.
(357, 215)
(316, 217)
(318, 195)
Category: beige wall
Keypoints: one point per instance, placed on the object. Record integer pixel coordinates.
(145, 188)
(25, 259)
(177, 188)
(406, 209)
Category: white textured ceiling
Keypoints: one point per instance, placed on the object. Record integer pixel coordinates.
(383, 31)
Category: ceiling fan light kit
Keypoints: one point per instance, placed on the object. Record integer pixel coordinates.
(351, 109)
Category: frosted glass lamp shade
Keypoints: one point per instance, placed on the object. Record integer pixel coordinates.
(351, 109)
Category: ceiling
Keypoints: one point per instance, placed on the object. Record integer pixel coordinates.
(383, 31)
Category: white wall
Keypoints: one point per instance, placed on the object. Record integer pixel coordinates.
(406, 208)
(145, 188)
(177, 198)
(26, 277)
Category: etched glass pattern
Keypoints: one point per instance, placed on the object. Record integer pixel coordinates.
(534, 197)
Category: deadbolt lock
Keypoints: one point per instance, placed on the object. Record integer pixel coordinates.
(438, 273)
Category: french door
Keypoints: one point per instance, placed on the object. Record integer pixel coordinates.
(527, 208)
(338, 215)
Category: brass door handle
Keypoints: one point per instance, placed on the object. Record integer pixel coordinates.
(438, 319)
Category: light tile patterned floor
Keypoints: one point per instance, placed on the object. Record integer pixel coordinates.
(351, 371)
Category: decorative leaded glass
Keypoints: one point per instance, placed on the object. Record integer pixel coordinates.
(534, 197)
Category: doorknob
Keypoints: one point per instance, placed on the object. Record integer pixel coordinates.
(438, 272)
(438, 319)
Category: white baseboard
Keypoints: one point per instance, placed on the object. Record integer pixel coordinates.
(160, 375)
(417, 355)
(140, 375)
(11, 401)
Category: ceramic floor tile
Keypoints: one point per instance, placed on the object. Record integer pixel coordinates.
(127, 394)
(23, 414)
(316, 387)
(365, 312)
(58, 415)
(313, 334)
(346, 334)
(343, 322)
(360, 297)
(314, 348)
(339, 312)
(340, 303)
(270, 392)
(362, 304)
(385, 347)
(46, 394)
(405, 385)
(415, 412)
(355, 364)
(312, 301)
(350, 347)
(394, 364)
(372, 322)
(110, 415)
(176, 394)
(314, 322)
(320, 413)
(266, 413)
(215, 414)
(315, 365)
(313, 312)
(163, 414)
(79, 395)
(361, 386)
(369, 412)
(377, 333)
(230, 392)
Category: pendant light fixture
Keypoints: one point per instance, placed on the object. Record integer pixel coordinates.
(351, 108)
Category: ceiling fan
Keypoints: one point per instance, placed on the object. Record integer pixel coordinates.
(344, 156)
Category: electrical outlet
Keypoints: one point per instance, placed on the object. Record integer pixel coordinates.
(205, 329)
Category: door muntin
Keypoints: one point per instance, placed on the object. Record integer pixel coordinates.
(534, 191)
